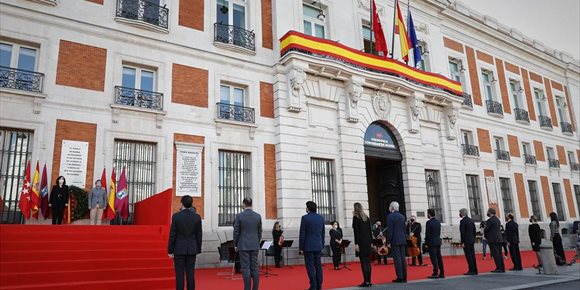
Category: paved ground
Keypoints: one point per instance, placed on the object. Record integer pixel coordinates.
(569, 278)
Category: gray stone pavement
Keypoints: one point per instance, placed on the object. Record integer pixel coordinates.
(569, 278)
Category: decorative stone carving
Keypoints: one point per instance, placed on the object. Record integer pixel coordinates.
(381, 104)
(354, 91)
(415, 107)
(36, 106)
(452, 113)
(365, 4)
(296, 80)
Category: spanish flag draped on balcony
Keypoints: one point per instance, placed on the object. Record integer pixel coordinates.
(402, 32)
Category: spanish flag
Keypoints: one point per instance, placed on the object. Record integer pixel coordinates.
(35, 196)
(402, 32)
(110, 212)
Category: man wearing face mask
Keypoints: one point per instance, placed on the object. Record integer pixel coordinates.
(492, 233)
(467, 230)
(415, 230)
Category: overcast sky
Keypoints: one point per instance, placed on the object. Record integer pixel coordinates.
(556, 23)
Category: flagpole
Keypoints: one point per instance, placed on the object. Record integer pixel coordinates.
(371, 6)
(393, 38)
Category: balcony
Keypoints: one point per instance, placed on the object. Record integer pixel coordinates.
(21, 80)
(226, 111)
(467, 100)
(566, 128)
(574, 166)
(494, 108)
(530, 159)
(234, 36)
(522, 116)
(470, 150)
(554, 163)
(545, 122)
(142, 13)
(138, 98)
(502, 155)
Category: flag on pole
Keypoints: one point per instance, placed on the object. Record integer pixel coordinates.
(380, 42)
(44, 193)
(402, 32)
(122, 198)
(110, 211)
(413, 39)
(35, 196)
(24, 202)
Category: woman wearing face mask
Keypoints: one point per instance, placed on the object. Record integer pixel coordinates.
(535, 234)
(58, 200)
(278, 241)
(335, 240)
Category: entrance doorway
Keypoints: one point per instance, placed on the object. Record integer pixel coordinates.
(383, 169)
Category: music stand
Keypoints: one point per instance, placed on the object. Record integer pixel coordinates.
(287, 244)
(267, 247)
(343, 245)
(228, 253)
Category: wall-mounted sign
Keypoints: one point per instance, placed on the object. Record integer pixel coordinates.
(73, 162)
(378, 136)
(188, 169)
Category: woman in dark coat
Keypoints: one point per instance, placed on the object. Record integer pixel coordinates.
(361, 226)
(535, 234)
(556, 238)
(58, 200)
(277, 235)
(335, 240)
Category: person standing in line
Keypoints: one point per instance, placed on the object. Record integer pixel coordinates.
(247, 236)
(397, 241)
(58, 200)
(492, 233)
(555, 237)
(535, 233)
(278, 240)
(467, 231)
(97, 202)
(335, 241)
(483, 241)
(363, 238)
(185, 238)
(513, 239)
(415, 231)
(433, 242)
(311, 242)
(378, 237)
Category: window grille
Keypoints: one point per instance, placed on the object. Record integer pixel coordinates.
(323, 188)
(234, 184)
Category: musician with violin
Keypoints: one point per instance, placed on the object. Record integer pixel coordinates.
(335, 241)
(380, 241)
(278, 241)
(414, 250)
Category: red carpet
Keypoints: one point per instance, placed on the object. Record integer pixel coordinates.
(134, 257)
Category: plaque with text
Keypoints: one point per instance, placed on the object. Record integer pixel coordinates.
(188, 170)
(73, 162)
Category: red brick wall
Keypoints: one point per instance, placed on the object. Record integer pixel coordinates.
(97, 1)
(521, 190)
(535, 77)
(270, 181)
(557, 86)
(266, 100)
(74, 131)
(484, 57)
(81, 66)
(561, 154)
(191, 14)
(547, 195)
(529, 97)
(551, 102)
(484, 141)
(189, 86)
(473, 76)
(267, 38)
(539, 148)
(571, 109)
(512, 68)
(503, 87)
(514, 145)
(198, 202)
(452, 44)
(569, 198)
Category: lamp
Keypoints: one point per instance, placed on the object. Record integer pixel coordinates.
(520, 90)
(462, 68)
(321, 15)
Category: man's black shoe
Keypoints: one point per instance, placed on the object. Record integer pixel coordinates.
(498, 271)
(441, 276)
(433, 277)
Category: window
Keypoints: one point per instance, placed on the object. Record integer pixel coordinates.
(140, 162)
(501, 153)
(488, 88)
(138, 78)
(550, 153)
(18, 66)
(138, 89)
(571, 157)
(366, 30)
(235, 184)
(498, 143)
(148, 11)
(526, 148)
(467, 137)
(561, 109)
(506, 195)
(577, 193)
(534, 199)
(323, 190)
(434, 193)
(231, 12)
(231, 105)
(456, 71)
(540, 99)
(558, 199)
(314, 21)
(424, 64)
(474, 197)
(515, 90)
(15, 152)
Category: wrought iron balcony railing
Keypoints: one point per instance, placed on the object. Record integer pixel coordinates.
(522, 115)
(23, 80)
(530, 159)
(574, 166)
(470, 150)
(236, 113)
(467, 100)
(502, 155)
(237, 36)
(142, 10)
(138, 98)
(554, 163)
(494, 107)
(545, 122)
(566, 127)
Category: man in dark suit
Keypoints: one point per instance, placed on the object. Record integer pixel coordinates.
(311, 242)
(433, 243)
(467, 231)
(185, 243)
(247, 236)
(415, 230)
(397, 240)
(492, 233)
(513, 240)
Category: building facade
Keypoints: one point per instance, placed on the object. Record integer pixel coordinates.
(269, 96)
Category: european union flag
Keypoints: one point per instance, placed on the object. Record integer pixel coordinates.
(413, 38)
